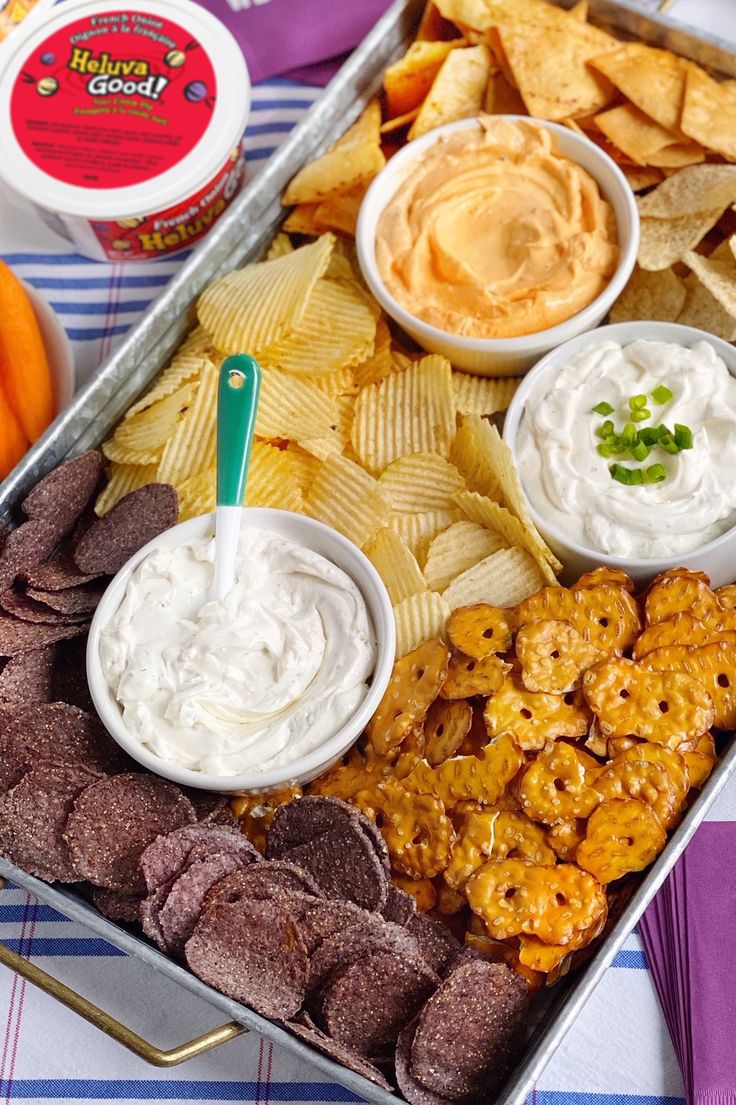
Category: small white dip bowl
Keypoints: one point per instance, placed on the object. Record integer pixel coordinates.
(500, 356)
(718, 558)
(312, 535)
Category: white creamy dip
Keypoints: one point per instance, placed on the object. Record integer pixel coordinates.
(248, 684)
(569, 483)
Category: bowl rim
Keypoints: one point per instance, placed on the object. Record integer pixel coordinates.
(553, 360)
(61, 364)
(377, 601)
(553, 335)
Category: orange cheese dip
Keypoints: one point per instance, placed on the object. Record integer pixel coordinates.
(495, 234)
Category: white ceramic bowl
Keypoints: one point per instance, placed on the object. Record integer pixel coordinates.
(58, 349)
(313, 535)
(718, 558)
(500, 356)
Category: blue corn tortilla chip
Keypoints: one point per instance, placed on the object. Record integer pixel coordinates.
(140, 516)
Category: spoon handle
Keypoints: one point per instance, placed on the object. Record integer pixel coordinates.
(237, 403)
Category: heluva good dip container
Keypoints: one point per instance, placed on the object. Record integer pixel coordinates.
(121, 123)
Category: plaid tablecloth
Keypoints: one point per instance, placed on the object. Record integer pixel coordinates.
(617, 1053)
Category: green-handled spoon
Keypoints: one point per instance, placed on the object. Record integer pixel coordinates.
(237, 403)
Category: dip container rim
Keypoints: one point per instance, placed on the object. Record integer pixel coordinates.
(624, 333)
(313, 535)
(164, 190)
(385, 185)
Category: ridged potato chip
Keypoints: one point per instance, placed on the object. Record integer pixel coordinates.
(353, 158)
(409, 412)
(185, 367)
(471, 455)
(148, 430)
(502, 579)
(255, 307)
(418, 530)
(345, 497)
(456, 549)
(198, 493)
(420, 482)
(192, 444)
(271, 479)
(418, 618)
(396, 564)
(337, 331)
(122, 478)
(290, 407)
(336, 384)
(482, 395)
(514, 532)
(118, 454)
(381, 363)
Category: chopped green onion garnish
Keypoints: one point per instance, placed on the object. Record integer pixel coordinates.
(656, 473)
(603, 408)
(683, 436)
(636, 402)
(605, 428)
(661, 394)
(640, 451)
(668, 443)
(641, 414)
(628, 476)
(628, 434)
(649, 435)
(604, 450)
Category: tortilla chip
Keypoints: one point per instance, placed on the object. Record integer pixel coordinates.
(634, 133)
(703, 311)
(650, 295)
(678, 155)
(709, 113)
(580, 11)
(501, 97)
(340, 211)
(354, 158)
(695, 190)
(547, 52)
(457, 91)
(718, 274)
(433, 27)
(664, 241)
(407, 82)
(654, 80)
(641, 178)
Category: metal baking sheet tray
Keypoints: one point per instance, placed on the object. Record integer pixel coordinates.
(242, 235)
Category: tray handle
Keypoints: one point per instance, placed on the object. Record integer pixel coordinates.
(158, 1057)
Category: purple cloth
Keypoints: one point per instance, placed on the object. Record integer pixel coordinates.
(690, 940)
(278, 36)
